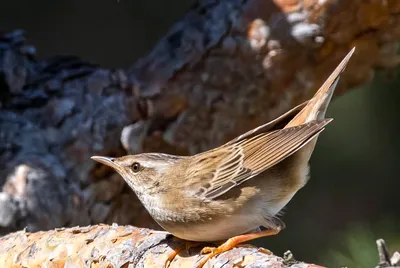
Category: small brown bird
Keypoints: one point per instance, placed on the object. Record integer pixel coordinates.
(230, 191)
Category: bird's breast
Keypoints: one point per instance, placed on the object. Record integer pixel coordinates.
(212, 229)
(214, 220)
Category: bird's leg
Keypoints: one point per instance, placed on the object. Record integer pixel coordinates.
(186, 245)
(232, 242)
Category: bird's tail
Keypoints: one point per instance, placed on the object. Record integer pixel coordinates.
(317, 106)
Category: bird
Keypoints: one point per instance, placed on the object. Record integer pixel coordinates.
(230, 192)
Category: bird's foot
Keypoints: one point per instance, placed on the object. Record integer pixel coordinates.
(187, 245)
(233, 242)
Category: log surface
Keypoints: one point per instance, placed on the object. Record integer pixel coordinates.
(120, 246)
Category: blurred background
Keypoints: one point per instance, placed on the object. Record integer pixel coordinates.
(352, 198)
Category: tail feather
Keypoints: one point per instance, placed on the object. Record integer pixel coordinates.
(317, 106)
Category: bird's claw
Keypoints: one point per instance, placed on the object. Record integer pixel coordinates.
(187, 245)
(206, 250)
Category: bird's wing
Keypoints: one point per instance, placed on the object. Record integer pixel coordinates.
(223, 168)
(277, 123)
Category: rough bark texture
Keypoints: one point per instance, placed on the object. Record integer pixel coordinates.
(127, 246)
(120, 246)
(224, 68)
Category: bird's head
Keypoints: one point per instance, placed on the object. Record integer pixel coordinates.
(143, 172)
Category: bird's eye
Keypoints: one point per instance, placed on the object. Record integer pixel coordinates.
(136, 167)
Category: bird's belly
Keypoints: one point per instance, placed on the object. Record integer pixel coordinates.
(214, 229)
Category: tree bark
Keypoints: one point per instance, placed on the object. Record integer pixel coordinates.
(225, 67)
(127, 246)
(120, 246)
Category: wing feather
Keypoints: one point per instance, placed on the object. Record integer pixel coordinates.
(234, 163)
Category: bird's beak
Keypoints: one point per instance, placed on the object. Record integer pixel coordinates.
(108, 161)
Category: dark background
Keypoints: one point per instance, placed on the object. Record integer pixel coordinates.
(353, 195)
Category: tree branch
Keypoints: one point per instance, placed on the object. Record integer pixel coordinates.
(119, 246)
(385, 261)
(127, 246)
